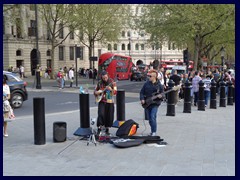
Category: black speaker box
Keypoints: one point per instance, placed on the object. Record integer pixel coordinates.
(59, 131)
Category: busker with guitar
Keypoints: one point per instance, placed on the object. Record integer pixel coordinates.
(104, 91)
(152, 86)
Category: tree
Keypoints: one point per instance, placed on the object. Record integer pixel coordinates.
(98, 23)
(57, 17)
(200, 27)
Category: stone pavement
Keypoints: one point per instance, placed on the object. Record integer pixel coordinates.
(201, 143)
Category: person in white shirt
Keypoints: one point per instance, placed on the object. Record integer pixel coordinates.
(71, 76)
(161, 76)
(22, 71)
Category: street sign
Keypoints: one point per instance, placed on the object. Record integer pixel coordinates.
(93, 58)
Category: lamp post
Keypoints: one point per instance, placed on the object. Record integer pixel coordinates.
(37, 74)
(129, 47)
(76, 70)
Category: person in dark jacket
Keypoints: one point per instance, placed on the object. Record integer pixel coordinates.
(151, 87)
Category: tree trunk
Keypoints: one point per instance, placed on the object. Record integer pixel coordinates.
(52, 61)
(196, 51)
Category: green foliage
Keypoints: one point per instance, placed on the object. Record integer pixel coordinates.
(200, 27)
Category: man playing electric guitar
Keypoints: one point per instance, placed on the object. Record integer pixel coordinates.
(106, 88)
(152, 86)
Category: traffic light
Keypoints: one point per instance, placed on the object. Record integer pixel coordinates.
(185, 56)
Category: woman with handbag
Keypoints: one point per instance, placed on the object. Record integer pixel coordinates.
(8, 114)
(6, 105)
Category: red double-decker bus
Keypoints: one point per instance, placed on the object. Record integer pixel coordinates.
(118, 66)
(169, 64)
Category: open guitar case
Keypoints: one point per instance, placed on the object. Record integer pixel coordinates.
(131, 141)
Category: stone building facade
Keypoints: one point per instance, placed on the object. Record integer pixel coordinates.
(19, 45)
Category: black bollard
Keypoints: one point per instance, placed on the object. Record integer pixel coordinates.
(233, 90)
(39, 121)
(230, 93)
(84, 116)
(120, 105)
(201, 100)
(38, 78)
(120, 98)
(187, 97)
(222, 94)
(213, 100)
(171, 99)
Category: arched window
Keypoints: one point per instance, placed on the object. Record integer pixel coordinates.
(129, 46)
(123, 46)
(136, 46)
(115, 47)
(18, 52)
(109, 47)
(123, 33)
(142, 46)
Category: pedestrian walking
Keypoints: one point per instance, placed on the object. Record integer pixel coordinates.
(71, 76)
(195, 87)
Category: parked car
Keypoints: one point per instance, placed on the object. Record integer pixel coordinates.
(138, 76)
(17, 89)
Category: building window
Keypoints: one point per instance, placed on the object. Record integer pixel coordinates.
(123, 47)
(18, 24)
(18, 53)
(61, 34)
(71, 53)
(31, 29)
(61, 53)
(153, 47)
(109, 47)
(99, 52)
(49, 52)
(81, 53)
(71, 33)
(48, 35)
(136, 46)
(129, 46)
(173, 46)
(123, 33)
(115, 47)
(169, 46)
(129, 34)
(142, 46)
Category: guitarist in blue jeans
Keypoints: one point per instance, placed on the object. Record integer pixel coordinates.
(151, 87)
(106, 88)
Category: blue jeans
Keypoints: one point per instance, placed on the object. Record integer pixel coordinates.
(206, 96)
(195, 97)
(151, 113)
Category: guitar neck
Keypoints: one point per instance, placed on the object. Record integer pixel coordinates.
(154, 97)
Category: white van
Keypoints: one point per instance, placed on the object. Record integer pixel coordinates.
(180, 69)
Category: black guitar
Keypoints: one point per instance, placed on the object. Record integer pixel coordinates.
(150, 100)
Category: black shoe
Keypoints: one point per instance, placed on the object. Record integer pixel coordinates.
(195, 104)
(107, 131)
(98, 131)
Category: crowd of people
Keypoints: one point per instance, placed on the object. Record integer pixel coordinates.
(194, 77)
